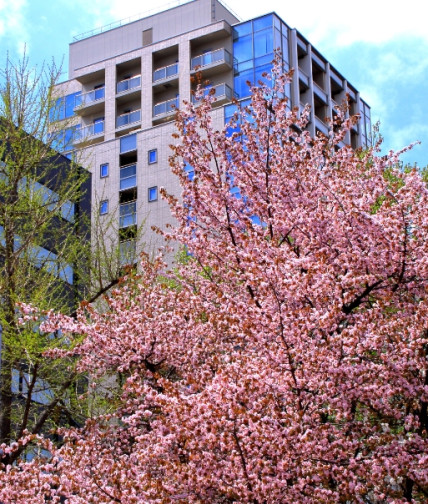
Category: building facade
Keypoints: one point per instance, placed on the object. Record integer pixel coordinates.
(125, 84)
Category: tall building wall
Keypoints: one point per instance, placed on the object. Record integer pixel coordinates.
(127, 82)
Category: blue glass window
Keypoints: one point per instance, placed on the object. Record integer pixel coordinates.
(263, 22)
(128, 214)
(242, 29)
(190, 171)
(153, 156)
(263, 43)
(104, 170)
(128, 177)
(98, 125)
(153, 193)
(63, 108)
(241, 86)
(243, 48)
(104, 207)
(128, 143)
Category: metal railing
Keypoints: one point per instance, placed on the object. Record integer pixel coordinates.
(128, 118)
(126, 84)
(86, 99)
(165, 72)
(82, 134)
(212, 57)
(166, 107)
(221, 90)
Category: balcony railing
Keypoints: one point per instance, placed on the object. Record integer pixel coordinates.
(165, 72)
(222, 91)
(85, 99)
(127, 84)
(212, 57)
(129, 118)
(86, 133)
(166, 107)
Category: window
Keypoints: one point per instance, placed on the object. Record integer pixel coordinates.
(128, 214)
(128, 143)
(153, 193)
(104, 207)
(98, 125)
(104, 170)
(190, 171)
(128, 177)
(153, 156)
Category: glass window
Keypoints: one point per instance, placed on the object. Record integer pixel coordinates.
(265, 69)
(242, 29)
(128, 143)
(190, 171)
(128, 214)
(263, 42)
(104, 207)
(241, 87)
(263, 22)
(69, 104)
(98, 125)
(127, 252)
(243, 48)
(153, 193)
(128, 177)
(104, 170)
(153, 156)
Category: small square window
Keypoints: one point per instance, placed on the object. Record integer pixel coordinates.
(153, 193)
(104, 207)
(153, 156)
(104, 170)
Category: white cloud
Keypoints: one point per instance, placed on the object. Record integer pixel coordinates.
(340, 23)
(13, 24)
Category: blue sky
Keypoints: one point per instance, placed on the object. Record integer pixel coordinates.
(380, 46)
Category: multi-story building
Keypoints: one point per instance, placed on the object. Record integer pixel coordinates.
(126, 82)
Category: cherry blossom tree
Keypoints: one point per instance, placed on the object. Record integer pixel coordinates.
(284, 360)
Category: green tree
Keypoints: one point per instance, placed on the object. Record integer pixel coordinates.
(45, 254)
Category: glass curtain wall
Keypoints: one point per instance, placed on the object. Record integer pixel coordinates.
(254, 43)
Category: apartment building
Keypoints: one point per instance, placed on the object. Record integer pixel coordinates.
(126, 81)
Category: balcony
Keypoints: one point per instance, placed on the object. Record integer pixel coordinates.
(129, 85)
(303, 78)
(167, 74)
(89, 102)
(212, 62)
(164, 110)
(321, 126)
(89, 133)
(222, 94)
(128, 119)
(320, 93)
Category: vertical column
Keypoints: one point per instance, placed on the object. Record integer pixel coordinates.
(184, 54)
(294, 63)
(146, 88)
(110, 100)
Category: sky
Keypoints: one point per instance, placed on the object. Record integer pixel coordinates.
(380, 46)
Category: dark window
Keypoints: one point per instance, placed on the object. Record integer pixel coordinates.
(147, 37)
